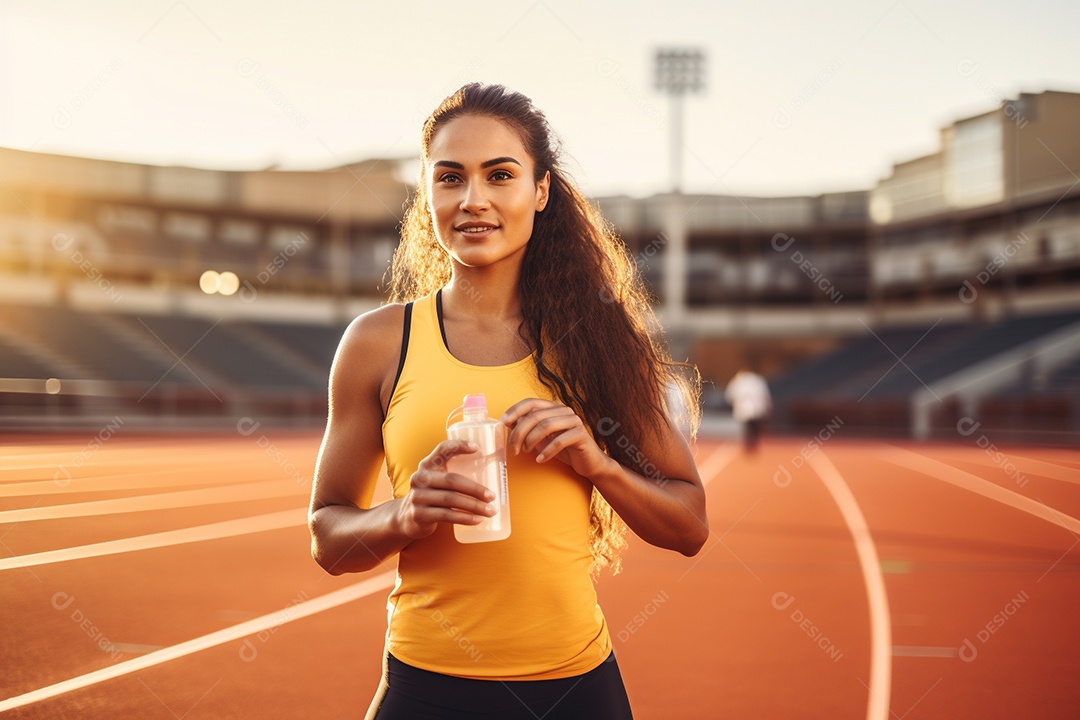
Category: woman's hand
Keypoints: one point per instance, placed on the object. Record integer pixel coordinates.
(668, 513)
(436, 495)
(554, 430)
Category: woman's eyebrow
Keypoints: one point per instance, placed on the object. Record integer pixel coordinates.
(485, 164)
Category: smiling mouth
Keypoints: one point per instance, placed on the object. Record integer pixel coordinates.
(476, 230)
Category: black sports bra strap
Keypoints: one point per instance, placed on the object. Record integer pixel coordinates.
(438, 311)
(406, 327)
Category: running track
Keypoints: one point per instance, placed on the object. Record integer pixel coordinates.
(170, 577)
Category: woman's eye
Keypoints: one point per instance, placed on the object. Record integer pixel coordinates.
(497, 175)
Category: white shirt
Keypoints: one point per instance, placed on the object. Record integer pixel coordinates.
(748, 395)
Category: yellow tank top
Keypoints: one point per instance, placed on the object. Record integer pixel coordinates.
(523, 608)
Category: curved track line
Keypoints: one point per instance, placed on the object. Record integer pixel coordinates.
(199, 533)
(265, 622)
(877, 703)
(974, 483)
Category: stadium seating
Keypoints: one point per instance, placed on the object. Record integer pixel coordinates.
(315, 344)
(870, 380)
(168, 349)
(89, 343)
(221, 348)
(962, 348)
(183, 364)
(17, 363)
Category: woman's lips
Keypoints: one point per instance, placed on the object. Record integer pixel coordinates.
(477, 233)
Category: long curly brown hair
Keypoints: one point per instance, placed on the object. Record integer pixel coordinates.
(585, 307)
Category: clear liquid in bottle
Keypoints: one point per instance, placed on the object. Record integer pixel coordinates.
(486, 466)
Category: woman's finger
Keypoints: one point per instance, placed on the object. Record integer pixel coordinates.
(449, 499)
(521, 407)
(441, 479)
(528, 422)
(546, 427)
(563, 441)
(444, 451)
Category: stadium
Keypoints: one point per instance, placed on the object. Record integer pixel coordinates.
(949, 290)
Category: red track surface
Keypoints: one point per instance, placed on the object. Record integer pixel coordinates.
(773, 619)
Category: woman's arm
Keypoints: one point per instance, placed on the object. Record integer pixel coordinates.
(347, 534)
(662, 500)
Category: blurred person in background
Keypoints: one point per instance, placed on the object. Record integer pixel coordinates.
(751, 403)
(507, 281)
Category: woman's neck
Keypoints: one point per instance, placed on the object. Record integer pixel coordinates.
(483, 294)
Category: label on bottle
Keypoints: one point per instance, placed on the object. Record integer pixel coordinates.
(504, 483)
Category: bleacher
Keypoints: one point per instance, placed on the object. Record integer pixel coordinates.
(870, 380)
(316, 344)
(1047, 403)
(222, 350)
(185, 366)
(17, 363)
(87, 346)
(957, 347)
(150, 364)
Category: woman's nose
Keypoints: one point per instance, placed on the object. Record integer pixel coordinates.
(475, 197)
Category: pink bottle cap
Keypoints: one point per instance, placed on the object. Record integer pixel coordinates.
(475, 402)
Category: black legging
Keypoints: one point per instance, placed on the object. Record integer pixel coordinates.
(415, 694)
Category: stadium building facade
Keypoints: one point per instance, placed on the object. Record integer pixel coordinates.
(962, 266)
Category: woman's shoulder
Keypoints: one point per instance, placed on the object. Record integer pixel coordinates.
(367, 355)
(375, 332)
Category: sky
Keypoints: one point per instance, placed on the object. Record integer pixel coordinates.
(800, 98)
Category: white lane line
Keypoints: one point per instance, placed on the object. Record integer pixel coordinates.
(199, 533)
(974, 483)
(63, 482)
(1049, 469)
(718, 460)
(1024, 464)
(118, 466)
(160, 501)
(265, 622)
(64, 486)
(877, 703)
(133, 648)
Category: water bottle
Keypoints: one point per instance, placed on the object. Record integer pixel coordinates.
(486, 466)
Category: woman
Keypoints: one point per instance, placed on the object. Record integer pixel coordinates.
(506, 282)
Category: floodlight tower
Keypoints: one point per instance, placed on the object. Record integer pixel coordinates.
(678, 71)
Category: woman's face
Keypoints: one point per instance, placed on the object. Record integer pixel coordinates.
(481, 191)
